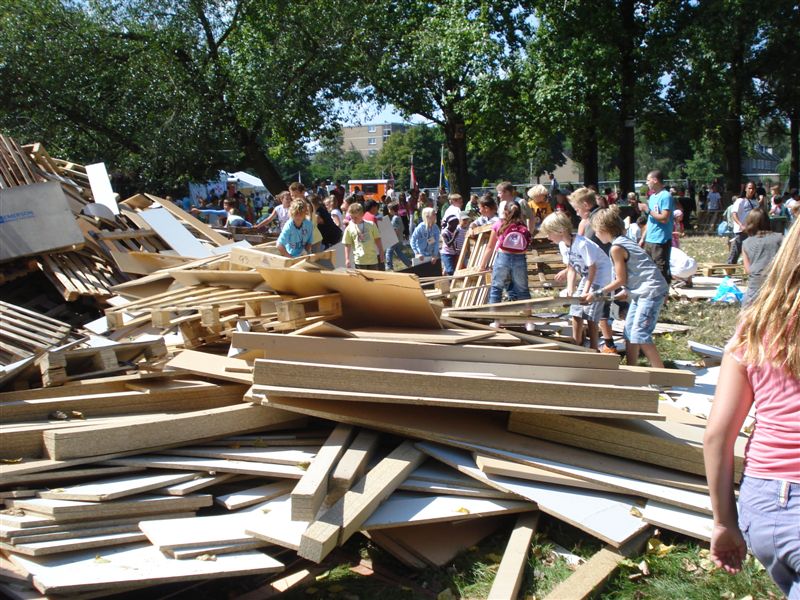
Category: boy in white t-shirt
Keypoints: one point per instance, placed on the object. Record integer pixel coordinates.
(585, 258)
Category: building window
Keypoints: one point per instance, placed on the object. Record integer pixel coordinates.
(372, 152)
(386, 134)
(371, 129)
(372, 141)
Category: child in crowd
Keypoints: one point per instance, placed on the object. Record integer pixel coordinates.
(539, 203)
(227, 216)
(758, 250)
(425, 239)
(447, 244)
(362, 241)
(509, 241)
(585, 258)
(641, 281)
(296, 235)
(677, 228)
(372, 211)
(761, 368)
(488, 210)
(584, 202)
(455, 203)
(396, 249)
(336, 214)
(473, 206)
(562, 205)
(279, 213)
(636, 229)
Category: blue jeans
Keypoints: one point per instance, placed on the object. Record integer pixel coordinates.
(396, 250)
(449, 263)
(642, 319)
(769, 517)
(509, 268)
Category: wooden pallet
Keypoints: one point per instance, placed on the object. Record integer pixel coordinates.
(82, 273)
(60, 367)
(16, 167)
(470, 286)
(297, 313)
(24, 333)
(719, 269)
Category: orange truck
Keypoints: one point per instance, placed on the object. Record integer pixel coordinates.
(372, 189)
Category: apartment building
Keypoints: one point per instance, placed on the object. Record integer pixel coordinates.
(369, 139)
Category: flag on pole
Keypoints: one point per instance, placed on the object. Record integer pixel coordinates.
(413, 183)
(443, 182)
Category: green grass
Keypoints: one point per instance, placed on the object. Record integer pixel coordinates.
(686, 572)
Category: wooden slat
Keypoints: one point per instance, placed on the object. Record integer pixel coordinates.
(509, 575)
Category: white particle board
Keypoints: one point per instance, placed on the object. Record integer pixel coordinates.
(123, 566)
(214, 550)
(172, 231)
(254, 495)
(143, 505)
(604, 515)
(229, 528)
(683, 521)
(277, 526)
(101, 186)
(78, 543)
(277, 455)
(405, 509)
(188, 463)
(197, 483)
(119, 487)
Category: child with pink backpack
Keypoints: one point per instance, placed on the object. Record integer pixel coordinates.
(509, 239)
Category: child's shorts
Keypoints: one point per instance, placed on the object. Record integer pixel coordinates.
(590, 312)
(642, 319)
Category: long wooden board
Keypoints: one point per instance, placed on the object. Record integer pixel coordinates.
(169, 430)
(344, 377)
(508, 579)
(127, 566)
(298, 348)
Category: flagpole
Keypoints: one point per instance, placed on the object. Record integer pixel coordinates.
(441, 168)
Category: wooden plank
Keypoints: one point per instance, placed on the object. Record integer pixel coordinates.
(687, 522)
(110, 489)
(663, 377)
(582, 477)
(603, 515)
(254, 495)
(421, 336)
(160, 432)
(183, 463)
(125, 566)
(104, 540)
(668, 444)
(509, 575)
(353, 463)
(142, 505)
(310, 491)
(204, 230)
(212, 365)
(277, 526)
(345, 517)
(357, 397)
(279, 455)
(478, 430)
(297, 348)
(173, 534)
(343, 377)
(196, 484)
(403, 509)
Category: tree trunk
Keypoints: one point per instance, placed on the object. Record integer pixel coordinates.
(455, 135)
(794, 161)
(256, 158)
(732, 129)
(588, 154)
(626, 39)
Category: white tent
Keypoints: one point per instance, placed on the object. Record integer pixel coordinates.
(245, 180)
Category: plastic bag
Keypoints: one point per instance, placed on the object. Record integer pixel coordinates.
(723, 228)
(728, 292)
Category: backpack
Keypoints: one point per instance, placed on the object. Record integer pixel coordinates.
(515, 239)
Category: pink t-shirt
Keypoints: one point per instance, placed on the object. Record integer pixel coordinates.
(773, 451)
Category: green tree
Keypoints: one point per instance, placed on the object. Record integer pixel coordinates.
(424, 143)
(186, 87)
(443, 61)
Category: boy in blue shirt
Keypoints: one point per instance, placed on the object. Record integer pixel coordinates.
(657, 241)
(297, 233)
